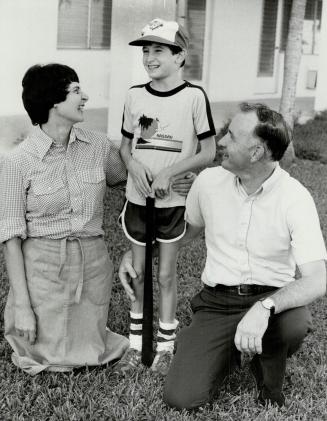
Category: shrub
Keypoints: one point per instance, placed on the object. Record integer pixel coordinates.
(310, 139)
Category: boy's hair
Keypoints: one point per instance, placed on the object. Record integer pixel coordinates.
(43, 87)
(272, 129)
(175, 50)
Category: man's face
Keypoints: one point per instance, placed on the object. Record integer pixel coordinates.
(159, 61)
(239, 143)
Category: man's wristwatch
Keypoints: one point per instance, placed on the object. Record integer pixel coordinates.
(268, 304)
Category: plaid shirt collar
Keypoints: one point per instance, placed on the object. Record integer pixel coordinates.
(42, 142)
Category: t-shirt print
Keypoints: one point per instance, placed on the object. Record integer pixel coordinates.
(153, 135)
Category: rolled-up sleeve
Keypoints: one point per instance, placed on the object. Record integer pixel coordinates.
(13, 201)
(114, 166)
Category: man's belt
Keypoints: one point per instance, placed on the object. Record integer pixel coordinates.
(242, 289)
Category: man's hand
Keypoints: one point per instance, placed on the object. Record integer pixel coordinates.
(182, 183)
(127, 273)
(250, 330)
(25, 323)
(141, 175)
(161, 184)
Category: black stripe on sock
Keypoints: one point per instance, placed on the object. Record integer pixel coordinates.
(136, 332)
(136, 321)
(160, 339)
(166, 331)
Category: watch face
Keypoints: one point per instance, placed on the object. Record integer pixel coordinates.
(268, 303)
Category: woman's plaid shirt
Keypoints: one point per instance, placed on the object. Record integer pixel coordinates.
(49, 191)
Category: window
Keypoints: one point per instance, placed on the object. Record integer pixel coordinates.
(84, 24)
(268, 39)
(311, 26)
(192, 15)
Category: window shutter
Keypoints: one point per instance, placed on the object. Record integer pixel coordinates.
(195, 24)
(268, 38)
(286, 22)
(100, 23)
(73, 24)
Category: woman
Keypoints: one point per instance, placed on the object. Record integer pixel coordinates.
(52, 188)
(60, 273)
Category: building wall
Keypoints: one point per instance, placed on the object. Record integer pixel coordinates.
(28, 34)
(234, 52)
(321, 98)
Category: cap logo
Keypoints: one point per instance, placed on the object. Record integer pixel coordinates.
(155, 24)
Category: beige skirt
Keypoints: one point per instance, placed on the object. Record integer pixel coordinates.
(69, 282)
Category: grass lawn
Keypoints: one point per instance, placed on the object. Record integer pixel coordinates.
(98, 395)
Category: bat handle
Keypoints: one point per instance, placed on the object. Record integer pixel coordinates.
(147, 330)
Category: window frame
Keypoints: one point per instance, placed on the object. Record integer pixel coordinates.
(88, 44)
(285, 27)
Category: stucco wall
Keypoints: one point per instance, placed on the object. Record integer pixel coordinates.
(234, 49)
(234, 54)
(28, 34)
(321, 99)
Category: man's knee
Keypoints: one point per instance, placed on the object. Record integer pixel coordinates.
(182, 397)
(292, 326)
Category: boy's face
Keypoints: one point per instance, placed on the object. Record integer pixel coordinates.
(160, 62)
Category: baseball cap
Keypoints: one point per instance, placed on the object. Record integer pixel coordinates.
(163, 32)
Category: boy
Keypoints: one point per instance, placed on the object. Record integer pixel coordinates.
(162, 123)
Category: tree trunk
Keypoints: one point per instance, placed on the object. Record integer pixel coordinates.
(291, 68)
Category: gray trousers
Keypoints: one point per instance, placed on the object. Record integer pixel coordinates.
(206, 353)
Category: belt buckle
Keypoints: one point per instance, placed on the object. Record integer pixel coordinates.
(239, 290)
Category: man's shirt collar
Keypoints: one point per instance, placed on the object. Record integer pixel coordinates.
(265, 187)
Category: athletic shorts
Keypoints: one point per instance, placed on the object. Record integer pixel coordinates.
(169, 223)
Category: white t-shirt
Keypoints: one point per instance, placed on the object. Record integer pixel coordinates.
(165, 128)
(255, 239)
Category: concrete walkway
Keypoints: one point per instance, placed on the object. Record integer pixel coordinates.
(14, 128)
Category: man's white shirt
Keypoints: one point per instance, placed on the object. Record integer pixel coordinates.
(257, 238)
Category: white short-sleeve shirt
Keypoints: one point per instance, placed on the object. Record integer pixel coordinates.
(255, 239)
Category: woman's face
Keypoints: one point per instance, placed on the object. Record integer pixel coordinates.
(73, 107)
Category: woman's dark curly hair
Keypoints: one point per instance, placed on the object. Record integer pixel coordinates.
(44, 86)
(272, 129)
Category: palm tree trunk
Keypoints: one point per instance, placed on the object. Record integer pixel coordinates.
(291, 68)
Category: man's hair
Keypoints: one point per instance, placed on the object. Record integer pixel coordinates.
(44, 86)
(272, 129)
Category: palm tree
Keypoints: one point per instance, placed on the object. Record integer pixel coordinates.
(291, 68)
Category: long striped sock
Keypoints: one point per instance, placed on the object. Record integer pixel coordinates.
(135, 330)
(166, 336)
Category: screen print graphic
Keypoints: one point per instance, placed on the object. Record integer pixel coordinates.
(155, 136)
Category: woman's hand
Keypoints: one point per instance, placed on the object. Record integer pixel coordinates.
(127, 274)
(141, 176)
(25, 323)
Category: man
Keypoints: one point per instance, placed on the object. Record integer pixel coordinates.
(259, 224)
